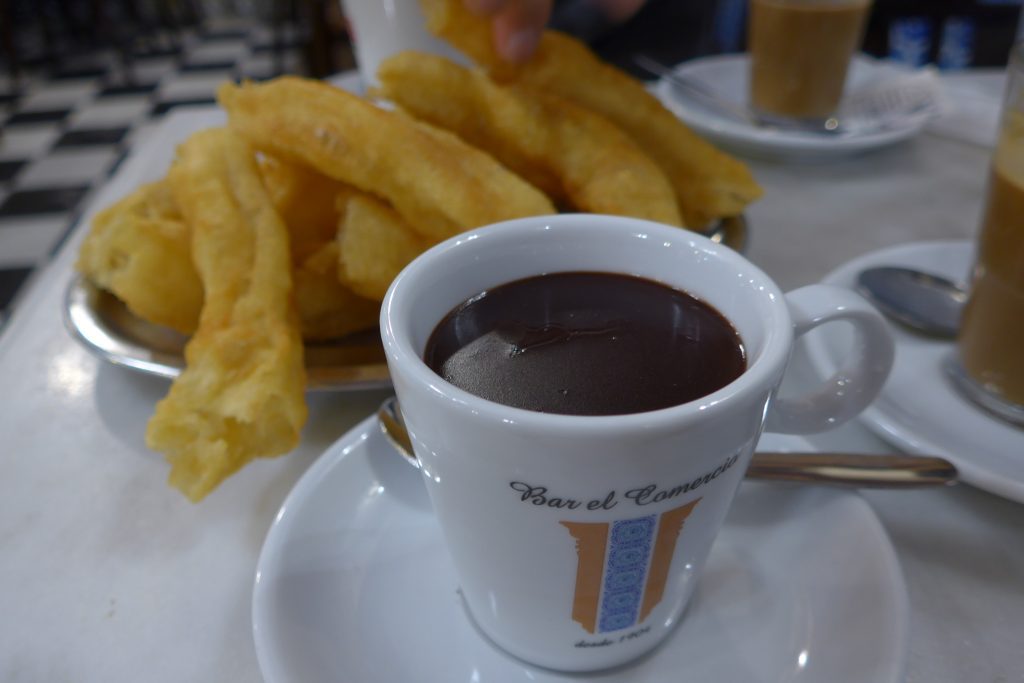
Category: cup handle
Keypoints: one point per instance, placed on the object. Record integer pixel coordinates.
(854, 386)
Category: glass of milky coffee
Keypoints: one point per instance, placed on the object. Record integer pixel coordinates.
(989, 364)
(799, 54)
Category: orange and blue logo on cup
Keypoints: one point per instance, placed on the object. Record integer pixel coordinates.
(623, 567)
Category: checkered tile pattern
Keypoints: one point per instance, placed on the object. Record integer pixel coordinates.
(64, 132)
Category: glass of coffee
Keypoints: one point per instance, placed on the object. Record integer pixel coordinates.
(584, 394)
(989, 364)
(800, 51)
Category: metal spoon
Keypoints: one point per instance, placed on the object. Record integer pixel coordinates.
(729, 230)
(842, 469)
(927, 303)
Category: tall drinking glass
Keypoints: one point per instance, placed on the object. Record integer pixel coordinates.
(989, 365)
(800, 51)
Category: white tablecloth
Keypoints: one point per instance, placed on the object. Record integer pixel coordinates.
(107, 574)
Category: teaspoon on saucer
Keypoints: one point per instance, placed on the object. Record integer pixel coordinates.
(843, 469)
(924, 302)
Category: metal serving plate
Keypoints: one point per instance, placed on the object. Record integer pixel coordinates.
(102, 323)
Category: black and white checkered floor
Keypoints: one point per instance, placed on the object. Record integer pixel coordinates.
(65, 131)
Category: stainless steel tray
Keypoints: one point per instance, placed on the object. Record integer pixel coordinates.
(102, 323)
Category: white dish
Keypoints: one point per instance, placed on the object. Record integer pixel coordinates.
(354, 584)
(727, 77)
(918, 410)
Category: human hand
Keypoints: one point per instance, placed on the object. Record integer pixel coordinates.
(517, 24)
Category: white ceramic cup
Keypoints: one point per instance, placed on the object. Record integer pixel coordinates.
(383, 27)
(578, 539)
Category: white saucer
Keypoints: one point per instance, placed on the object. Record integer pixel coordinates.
(919, 411)
(727, 77)
(354, 584)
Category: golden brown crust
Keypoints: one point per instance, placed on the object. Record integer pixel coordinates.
(375, 243)
(595, 166)
(139, 250)
(708, 182)
(241, 394)
(441, 185)
(327, 307)
(305, 201)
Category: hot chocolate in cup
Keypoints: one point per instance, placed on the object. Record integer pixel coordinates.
(800, 52)
(579, 538)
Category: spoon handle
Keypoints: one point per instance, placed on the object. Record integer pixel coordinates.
(850, 469)
(836, 469)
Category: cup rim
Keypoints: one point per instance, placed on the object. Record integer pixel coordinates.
(398, 346)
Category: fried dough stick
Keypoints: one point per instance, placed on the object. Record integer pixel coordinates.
(375, 243)
(440, 185)
(241, 394)
(600, 169)
(304, 199)
(138, 249)
(708, 182)
(329, 308)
